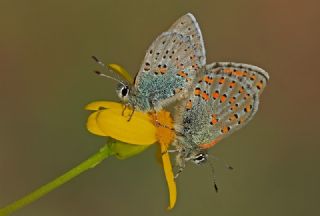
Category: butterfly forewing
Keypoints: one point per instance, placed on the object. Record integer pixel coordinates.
(188, 25)
(171, 64)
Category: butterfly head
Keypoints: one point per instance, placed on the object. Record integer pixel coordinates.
(120, 75)
(200, 158)
(123, 92)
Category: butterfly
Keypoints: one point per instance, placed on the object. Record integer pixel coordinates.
(169, 69)
(225, 98)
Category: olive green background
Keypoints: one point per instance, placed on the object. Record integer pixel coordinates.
(46, 80)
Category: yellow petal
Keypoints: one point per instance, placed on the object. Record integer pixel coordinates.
(139, 130)
(122, 72)
(169, 176)
(92, 125)
(165, 135)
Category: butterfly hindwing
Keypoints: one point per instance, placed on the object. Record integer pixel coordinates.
(224, 100)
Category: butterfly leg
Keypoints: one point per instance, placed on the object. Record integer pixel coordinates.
(131, 114)
(125, 106)
(180, 163)
(180, 170)
(169, 151)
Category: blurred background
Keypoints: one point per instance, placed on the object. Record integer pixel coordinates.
(46, 80)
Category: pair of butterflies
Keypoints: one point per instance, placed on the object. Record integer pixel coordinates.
(214, 100)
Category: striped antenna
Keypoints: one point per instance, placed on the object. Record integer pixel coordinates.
(116, 69)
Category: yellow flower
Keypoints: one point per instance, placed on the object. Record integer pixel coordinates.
(137, 134)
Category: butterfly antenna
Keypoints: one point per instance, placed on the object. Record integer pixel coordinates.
(213, 175)
(98, 61)
(105, 67)
(110, 77)
(227, 165)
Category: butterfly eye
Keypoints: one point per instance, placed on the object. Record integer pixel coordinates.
(123, 92)
(200, 158)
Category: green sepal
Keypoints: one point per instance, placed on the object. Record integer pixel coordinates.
(124, 150)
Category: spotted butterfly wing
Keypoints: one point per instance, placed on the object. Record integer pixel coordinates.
(223, 101)
(188, 25)
(170, 65)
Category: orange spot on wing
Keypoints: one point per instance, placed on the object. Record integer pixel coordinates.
(205, 96)
(248, 108)
(253, 77)
(214, 119)
(259, 85)
(208, 80)
(233, 107)
(232, 100)
(182, 74)
(197, 92)
(215, 95)
(225, 129)
(209, 145)
(234, 117)
(238, 73)
(163, 70)
(241, 89)
(227, 70)
(223, 98)
(221, 81)
(232, 84)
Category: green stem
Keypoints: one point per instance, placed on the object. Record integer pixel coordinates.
(91, 162)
